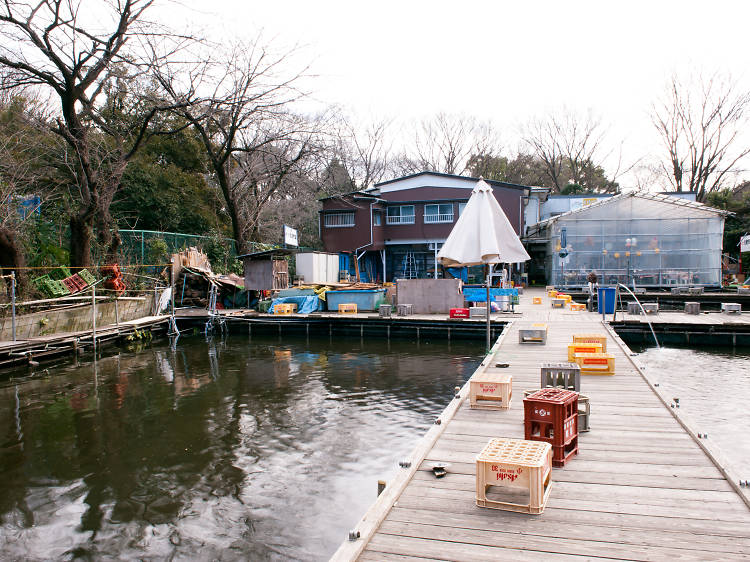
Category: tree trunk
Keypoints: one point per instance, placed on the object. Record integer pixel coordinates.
(107, 236)
(12, 259)
(81, 236)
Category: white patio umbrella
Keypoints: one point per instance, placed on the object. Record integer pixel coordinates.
(482, 235)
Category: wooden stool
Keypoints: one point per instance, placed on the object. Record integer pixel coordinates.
(490, 391)
(514, 465)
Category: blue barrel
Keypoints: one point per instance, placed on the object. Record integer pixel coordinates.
(606, 300)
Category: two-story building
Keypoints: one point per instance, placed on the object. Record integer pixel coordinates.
(396, 228)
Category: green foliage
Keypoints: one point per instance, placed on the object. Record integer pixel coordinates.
(221, 253)
(157, 251)
(735, 225)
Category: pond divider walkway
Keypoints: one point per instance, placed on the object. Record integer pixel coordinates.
(643, 486)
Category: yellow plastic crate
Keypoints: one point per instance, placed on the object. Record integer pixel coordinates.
(574, 348)
(596, 363)
(536, 300)
(591, 338)
(552, 294)
(348, 308)
(285, 308)
(577, 306)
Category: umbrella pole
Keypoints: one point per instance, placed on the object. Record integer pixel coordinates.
(489, 308)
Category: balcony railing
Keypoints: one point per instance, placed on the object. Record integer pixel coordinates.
(448, 217)
(404, 219)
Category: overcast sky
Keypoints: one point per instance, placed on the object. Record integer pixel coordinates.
(500, 61)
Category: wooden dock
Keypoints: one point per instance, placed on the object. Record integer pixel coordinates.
(643, 487)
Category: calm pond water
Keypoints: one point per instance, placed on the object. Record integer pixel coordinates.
(244, 449)
(713, 386)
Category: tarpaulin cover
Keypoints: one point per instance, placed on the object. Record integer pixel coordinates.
(305, 304)
(479, 294)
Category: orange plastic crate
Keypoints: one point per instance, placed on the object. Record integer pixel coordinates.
(490, 391)
(348, 308)
(574, 348)
(596, 363)
(536, 300)
(591, 338)
(552, 294)
(577, 306)
(514, 468)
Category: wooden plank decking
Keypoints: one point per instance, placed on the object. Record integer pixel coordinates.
(641, 488)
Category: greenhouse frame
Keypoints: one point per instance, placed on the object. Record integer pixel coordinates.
(638, 239)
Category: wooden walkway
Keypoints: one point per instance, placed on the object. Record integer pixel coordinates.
(641, 488)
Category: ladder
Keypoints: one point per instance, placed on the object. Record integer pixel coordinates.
(409, 266)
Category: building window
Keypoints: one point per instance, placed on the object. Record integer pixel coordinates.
(403, 214)
(335, 220)
(461, 207)
(377, 219)
(438, 213)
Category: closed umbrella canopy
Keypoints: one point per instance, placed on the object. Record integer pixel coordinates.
(482, 234)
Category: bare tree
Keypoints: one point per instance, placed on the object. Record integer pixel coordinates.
(569, 145)
(83, 51)
(365, 150)
(699, 122)
(446, 142)
(253, 141)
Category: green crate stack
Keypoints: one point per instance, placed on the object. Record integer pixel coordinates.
(87, 276)
(41, 283)
(59, 273)
(57, 288)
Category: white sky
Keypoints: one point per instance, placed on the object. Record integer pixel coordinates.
(501, 61)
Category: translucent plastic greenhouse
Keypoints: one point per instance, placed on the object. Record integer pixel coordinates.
(642, 239)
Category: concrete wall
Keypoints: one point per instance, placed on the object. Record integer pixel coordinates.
(430, 296)
(74, 319)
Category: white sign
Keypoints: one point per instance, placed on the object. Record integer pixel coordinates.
(745, 243)
(290, 236)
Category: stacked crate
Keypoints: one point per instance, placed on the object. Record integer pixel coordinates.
(551, 416)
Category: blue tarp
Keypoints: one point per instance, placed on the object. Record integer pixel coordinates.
(305, 304)
(461, 273)
(479, 294)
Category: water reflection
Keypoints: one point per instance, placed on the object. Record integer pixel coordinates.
(229, 449)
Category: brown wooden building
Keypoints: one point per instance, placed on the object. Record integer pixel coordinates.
(396, 228)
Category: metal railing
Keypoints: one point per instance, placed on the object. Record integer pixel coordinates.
(403, 219)
(448, 217)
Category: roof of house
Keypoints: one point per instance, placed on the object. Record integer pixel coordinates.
(641, 195)
(493, 183)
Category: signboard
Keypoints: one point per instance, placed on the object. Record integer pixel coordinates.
(745, 243)
(290, 236)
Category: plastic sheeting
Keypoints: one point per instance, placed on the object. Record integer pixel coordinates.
(479, 294)
(305, 304)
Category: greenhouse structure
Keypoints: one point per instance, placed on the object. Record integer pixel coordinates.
(639, 239)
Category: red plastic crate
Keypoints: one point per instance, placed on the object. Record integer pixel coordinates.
(71, 285)
(78, 280)
(459, 313)
(551, 416)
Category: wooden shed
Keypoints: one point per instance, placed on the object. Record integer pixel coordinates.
(266, 271)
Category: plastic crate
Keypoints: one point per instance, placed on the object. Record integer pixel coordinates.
(520, 470)
(477, 311)
(650, 307)
(86, 275)
(591, 347)
(459, 313)
(584, 410)
(385, 310)
(490, 391)
(71, 285)
(577, 306)
(404, 309)
(561, 375)
(536, 300)
(285, 308)
(591, 338)
(596, 363)
(551, 293)
(59, 273)
(692, 308)
(557, 303)
(348, 308)
(536, 334)
(731, 307)
(57, 288)
(551, 416)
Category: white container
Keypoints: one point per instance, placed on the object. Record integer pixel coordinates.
(318, 267)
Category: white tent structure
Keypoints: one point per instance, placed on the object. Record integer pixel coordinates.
(482, 235)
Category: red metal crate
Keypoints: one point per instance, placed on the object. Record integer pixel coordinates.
(551, 416)
(459, 313)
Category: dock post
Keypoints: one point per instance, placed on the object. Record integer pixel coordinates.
(93, 317)
(381, 486)
(13, 303)
(117, 314)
